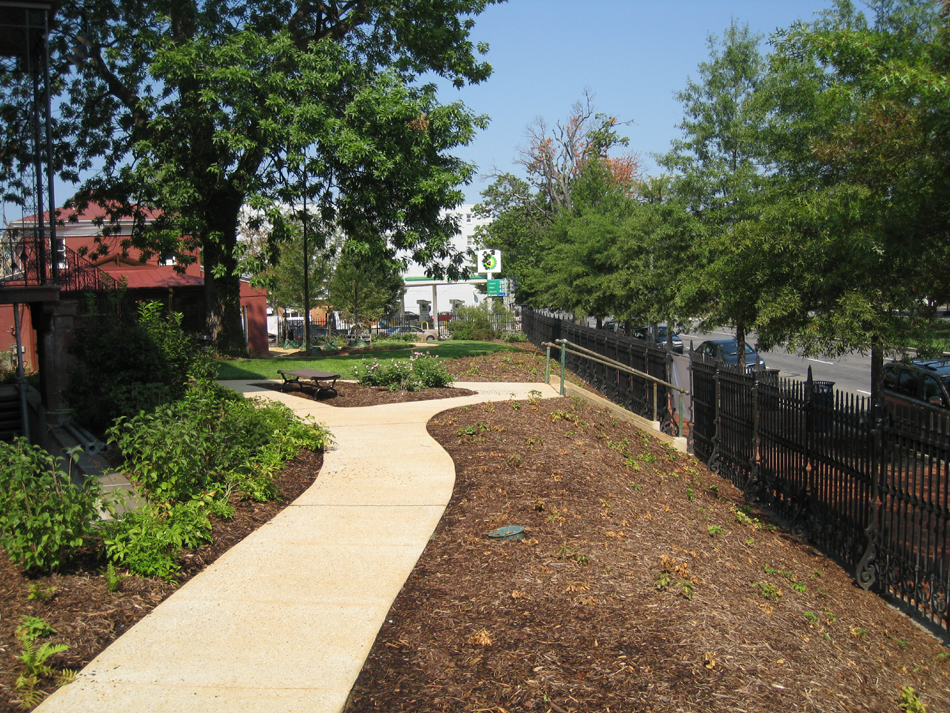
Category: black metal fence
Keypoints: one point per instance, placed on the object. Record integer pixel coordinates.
(867, 486)
(870, 487)
(630, 391)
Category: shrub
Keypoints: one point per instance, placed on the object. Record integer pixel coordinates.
(147, 540)
(421, 371)
(211, 437)
(126, 366)
(479, 322)
(44, 519)
(514, 337)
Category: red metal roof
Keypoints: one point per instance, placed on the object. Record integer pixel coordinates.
(144, 277)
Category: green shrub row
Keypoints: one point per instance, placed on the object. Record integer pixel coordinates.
(187, 443)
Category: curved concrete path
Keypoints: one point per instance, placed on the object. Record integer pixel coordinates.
(284, 620)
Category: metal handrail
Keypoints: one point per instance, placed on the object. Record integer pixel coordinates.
(564, 345)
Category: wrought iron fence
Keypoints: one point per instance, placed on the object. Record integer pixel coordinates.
(27, 260)
(634, 393)
(868, 486)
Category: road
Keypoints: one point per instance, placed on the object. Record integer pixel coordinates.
(851, 373)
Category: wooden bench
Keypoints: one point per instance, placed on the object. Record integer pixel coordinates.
(311, 375)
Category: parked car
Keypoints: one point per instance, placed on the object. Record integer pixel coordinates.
(919, 382)
(422, 335)
(660, 336)
(727, 351)
(612, 326)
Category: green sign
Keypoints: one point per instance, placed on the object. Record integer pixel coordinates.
(497, 288)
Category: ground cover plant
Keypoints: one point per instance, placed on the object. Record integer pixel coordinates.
(644, 583)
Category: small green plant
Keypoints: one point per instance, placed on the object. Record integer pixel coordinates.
(421, 371)
(40, 593)
(714, 490)
(534, 396)
(909, 702)
(113, 580)
(742, 518)
(674, 575)
(479, 427)
(515, 405)
(33, 627)
(34, 660)
(513, 460)
(768, 590)
(715, 530)
(811, 617)
(798, 587)
(689, 494)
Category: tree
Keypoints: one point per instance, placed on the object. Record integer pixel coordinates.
(298, 276)
(717, 166)
(654, 257)
(859, 138)
(523, 210)
(365, 286)
(199, 108)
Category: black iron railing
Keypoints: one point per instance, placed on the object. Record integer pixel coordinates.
(869, 487)
(29, 261)
(634, 393)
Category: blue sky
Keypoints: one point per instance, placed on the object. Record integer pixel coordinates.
(632, 54)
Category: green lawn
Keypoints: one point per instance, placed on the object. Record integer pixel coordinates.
(343, 365)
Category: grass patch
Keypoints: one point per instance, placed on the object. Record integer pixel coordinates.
(266, 368)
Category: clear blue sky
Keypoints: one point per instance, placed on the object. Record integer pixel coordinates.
(632, 54)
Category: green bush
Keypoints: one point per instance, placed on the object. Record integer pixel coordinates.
(421, 371)
(146, 541)
(126, 366)
(478, 322)
(514, 337)
(212, 437)
(44, 519)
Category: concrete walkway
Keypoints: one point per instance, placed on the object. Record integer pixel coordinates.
(284, 620)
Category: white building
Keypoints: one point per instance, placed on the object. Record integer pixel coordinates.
(425, 296)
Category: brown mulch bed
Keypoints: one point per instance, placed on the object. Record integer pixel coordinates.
(351, 394)
(644, 583)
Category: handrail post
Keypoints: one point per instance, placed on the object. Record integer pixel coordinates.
(563, 362)
(547, 365)
(654, 403)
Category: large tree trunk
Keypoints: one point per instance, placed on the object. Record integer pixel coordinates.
(223, 291)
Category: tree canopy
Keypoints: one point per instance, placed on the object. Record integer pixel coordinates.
(198, 107)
